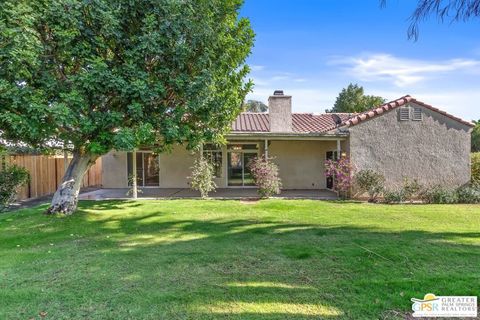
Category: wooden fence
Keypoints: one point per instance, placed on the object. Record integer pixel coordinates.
(46, 173)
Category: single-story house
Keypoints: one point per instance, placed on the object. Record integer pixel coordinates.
(404, 138)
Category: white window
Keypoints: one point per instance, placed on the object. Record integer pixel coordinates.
(417, 114)
(213, 154)
(404, 114)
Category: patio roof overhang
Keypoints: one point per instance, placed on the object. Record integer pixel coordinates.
(286, 136)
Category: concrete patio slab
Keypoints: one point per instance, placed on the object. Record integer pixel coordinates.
(223, 193)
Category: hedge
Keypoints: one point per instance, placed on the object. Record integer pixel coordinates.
(475, 158)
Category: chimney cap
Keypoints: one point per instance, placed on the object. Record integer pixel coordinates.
(278, 93)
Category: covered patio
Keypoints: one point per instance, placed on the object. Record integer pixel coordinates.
(221, 193)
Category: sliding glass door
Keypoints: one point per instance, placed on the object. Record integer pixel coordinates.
(238, 158)
(148, 169)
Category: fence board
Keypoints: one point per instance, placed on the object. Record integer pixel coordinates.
(46, 173)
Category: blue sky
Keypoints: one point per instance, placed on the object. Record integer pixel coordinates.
(313, 48)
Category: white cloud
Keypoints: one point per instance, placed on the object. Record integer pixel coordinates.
(401, 72)
(278, 78)
(257, 68)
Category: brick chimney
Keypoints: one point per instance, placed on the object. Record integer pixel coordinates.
(280, 112)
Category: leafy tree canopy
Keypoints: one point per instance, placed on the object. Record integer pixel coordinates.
(117, 74)
(255, 106)
(476, 137)
(352, 100)
(449, 10)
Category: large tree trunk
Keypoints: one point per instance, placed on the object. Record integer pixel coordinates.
(65, 199)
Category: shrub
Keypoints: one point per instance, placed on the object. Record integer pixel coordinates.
(394, 196)
(468, 194)
(475, 163)
(203, 173)
(411, 189)
(439, 195)
(340, 170)
(265, 175)
(11, 178)
(370, 182)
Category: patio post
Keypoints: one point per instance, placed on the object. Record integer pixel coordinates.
(134, 174)
(266, 149)
(339, 149)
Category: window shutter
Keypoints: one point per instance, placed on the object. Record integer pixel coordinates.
(404, 114)
(417, 114)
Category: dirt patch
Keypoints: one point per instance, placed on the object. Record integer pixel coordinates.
(249, 201)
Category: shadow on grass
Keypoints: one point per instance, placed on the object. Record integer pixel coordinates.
(262, 268)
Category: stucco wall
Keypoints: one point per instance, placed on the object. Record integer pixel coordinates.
(114, 170)
(175, 168)
(435, 150)
(301, 163)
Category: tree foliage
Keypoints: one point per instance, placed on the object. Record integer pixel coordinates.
(255, 106)
(352, 99)
(475, 167)
(476, 137)
(117, 74)
(443, 10)
(11, 178)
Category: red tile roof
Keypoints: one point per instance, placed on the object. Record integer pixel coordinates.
(301, 122)
(395, 104)
(322, 123)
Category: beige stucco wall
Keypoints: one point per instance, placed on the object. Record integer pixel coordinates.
(434, 151)
(114, 170)
(301, 163)
(175, 168)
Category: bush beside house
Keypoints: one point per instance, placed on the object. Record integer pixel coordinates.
(370, 182)
(265, 175)
(475, 167)
(12, 177)
(203, 173)
(341, 172)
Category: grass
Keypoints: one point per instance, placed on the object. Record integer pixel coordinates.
(275, 259)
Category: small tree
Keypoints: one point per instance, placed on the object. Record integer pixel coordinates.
(475, 159)
(92, 76)
(370, 182)
(203, 173)
(476, 137)
(340, 170)
(11, 178)
(353, 99)
(265, 175)
(255, 106)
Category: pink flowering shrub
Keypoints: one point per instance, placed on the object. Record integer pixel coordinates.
(265, 175)
(340, 170)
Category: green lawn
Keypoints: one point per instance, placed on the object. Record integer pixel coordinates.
(273, 259)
